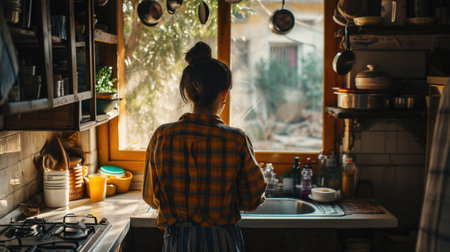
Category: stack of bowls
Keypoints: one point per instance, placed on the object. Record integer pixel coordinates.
(56, 188)
(76, 178)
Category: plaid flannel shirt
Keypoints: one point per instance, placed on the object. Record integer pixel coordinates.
(201, 170)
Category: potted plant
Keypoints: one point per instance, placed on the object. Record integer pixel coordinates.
(106, 94)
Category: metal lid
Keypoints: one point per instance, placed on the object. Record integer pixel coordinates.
(371, 73)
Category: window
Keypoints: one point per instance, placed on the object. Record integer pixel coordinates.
(292, 118)
(277, 90)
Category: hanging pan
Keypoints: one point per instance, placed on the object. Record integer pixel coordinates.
(172, 5)
(203, 12)
(149, 12)
(343, 61)
(282, 21)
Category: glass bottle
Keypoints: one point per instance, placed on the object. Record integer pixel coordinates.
(348, 178)
(296, 174)
(288, 184)
(334, 176)
(306, 185)
(322, 171)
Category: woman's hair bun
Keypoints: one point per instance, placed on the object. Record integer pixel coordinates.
(200, 53)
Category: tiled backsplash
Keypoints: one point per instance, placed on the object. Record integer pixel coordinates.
(391, 155)
(19, 178)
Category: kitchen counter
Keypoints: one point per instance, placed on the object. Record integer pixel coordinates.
(129, 210)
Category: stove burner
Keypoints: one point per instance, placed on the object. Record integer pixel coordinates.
(73, 233)
(23, 231)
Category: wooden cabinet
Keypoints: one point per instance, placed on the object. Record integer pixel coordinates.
(64, 46)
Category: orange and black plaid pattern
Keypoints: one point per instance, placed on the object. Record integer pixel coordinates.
(201, 170)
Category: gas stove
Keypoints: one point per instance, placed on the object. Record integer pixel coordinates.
(74, 233)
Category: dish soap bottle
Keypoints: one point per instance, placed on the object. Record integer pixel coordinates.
(306, 185)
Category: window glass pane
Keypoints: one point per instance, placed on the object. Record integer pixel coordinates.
(154, 61)
(277, 79)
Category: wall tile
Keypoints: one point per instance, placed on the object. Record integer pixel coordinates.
(408, 159)
(372, 159)
(4, 185)
(88, 140)
(373, 142)
(6, 204)
(378, 126)
(391, 142)
(408, 144)
(373, 174)
(407, 175)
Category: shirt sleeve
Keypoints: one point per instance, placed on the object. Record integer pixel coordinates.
(251, 182)
(151, 184)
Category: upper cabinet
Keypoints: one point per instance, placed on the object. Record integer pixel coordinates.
(60, 44)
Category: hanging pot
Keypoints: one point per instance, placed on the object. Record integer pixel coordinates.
(372, 79)
(149, 12)
(282, 21)
(343, 61)
(172, 5)
(203, 12)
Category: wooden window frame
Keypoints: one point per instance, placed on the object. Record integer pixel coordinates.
(108, 137)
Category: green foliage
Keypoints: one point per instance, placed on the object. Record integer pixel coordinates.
(272, 77)
(103, 81)
(312, 79)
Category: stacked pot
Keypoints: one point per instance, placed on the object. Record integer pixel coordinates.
(370, 93)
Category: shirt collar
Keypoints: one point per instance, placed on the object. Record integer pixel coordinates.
(207, 118)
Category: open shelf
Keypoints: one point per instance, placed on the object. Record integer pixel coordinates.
(104, 37)
(27, 106)
(84, 95)
(63, 100)
(399, 29)
(342, 113)
(101, 119)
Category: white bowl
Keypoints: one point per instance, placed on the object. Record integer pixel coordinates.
(323, 194)
(56, 198)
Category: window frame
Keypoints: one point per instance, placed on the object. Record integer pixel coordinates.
(108, 137)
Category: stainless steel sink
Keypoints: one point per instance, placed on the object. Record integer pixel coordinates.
(289, 207)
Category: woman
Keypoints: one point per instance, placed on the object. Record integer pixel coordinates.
(200, 172)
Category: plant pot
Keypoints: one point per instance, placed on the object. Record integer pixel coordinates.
(105, 95)
(106, 105)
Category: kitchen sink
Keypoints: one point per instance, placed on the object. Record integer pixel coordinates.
(290, 207)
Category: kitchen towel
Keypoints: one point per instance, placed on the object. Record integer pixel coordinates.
(434, 229)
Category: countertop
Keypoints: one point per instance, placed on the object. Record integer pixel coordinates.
(129, 210)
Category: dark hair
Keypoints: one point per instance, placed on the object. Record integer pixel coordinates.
(204, 78)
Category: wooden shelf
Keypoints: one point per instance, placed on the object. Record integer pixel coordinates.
(399, 29)
(341, 113)
(84, 95)
(27, 106)
(104, 37)
(63, 100)
(101, 119)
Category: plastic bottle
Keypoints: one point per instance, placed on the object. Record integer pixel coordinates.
(296, 175)
(322, 171)
(348, 178)
(334, 176)
(288, 183)
(306, 185)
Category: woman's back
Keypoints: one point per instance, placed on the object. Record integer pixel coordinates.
(202, 166)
